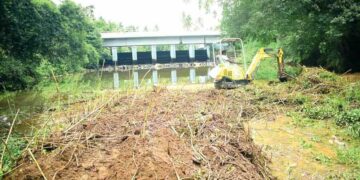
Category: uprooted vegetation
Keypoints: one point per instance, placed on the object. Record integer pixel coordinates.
(327, 96)
(183, 134)
(154, 135)
(317, 94)
(318, 98)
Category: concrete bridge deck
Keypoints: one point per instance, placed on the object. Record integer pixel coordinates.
(199, 46)
(146, 39)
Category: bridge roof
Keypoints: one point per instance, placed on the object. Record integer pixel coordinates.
(158, 38)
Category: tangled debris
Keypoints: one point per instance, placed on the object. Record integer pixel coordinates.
(156, 135)
(317, 80)
(181, 134)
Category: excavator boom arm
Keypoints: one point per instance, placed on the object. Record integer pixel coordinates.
(263, 54)
(260, 55)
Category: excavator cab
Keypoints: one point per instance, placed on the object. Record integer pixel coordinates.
(229, 73)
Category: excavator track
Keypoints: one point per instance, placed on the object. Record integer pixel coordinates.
(227, 83)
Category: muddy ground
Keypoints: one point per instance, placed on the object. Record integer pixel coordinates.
(162, 134)
(197, 132)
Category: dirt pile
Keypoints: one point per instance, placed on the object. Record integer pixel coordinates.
(317, 81)
(157, 135)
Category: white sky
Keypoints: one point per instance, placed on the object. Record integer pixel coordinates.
(167, 14)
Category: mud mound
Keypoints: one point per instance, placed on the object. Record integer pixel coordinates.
(318, 81)
(157, 135)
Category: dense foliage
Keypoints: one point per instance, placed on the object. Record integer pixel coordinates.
(314, 32)
(39, 38)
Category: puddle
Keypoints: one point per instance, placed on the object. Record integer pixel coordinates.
(297, 152)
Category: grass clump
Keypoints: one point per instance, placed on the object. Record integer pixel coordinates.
(324, 96)
(322, 159)
(350, 156)
(13, 150)
(299, 99)
(293, 70)
(352, 93)
(328, 76)
(351, 120)
(319, 112)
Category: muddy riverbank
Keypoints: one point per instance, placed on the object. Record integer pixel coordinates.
(299, 129)
(177, 134)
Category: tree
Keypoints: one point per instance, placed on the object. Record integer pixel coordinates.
(37, 36)
(131, 28)
(315, 32)
(186, 21)
(28, 31)
(108, 26)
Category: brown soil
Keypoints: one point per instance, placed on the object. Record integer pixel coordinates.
(165, 134)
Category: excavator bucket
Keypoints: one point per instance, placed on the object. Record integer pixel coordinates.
(281, 66)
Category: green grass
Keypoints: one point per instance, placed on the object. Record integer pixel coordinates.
(351, 120)
(322, 159)
(349, 156)
(13, 151)
(319, 112)
(335, 108)
(305, 145)
(340, 108)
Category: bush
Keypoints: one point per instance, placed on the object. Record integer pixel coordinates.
(352, 93)
(299, 99)
(329, 76)
(349, 156)
(319, 112)
(351, 120)
(12, 152)
(293, 70)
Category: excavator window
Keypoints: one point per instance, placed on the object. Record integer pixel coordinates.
(269, 50)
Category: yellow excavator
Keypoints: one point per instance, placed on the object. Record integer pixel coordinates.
(228, 74)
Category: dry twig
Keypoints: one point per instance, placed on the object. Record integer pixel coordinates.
(7, 140)
(37, 164)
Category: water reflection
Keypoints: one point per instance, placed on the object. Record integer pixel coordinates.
(192, 75)
(141, 78)
(155, 77)
(136, 79)
(173, 77)
(202, 79)
(116, 81)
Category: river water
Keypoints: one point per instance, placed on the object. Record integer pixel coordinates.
(32, 103)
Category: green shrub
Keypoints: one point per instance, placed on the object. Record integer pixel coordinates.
(350, 156)
(319, 112)
(352, 93)
(299, 99)
(12, 152)
(323, 159)
(306, 84)
(328, 76)
(351, 120)
(337, 102)
(293, 71)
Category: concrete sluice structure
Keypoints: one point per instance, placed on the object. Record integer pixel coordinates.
(156, 66)
(160, 50)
